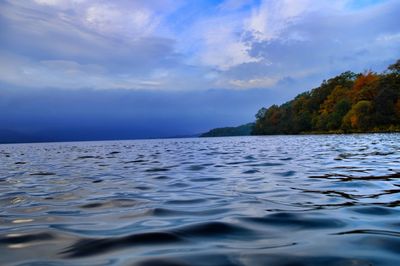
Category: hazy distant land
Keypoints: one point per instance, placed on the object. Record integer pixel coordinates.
(243, 130)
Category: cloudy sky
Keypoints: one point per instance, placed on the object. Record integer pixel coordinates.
(197, 61)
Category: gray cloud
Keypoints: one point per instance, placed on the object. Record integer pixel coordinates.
(173, 45)
(49, 114)
(176, 67)
(320, 45)
(35, 35)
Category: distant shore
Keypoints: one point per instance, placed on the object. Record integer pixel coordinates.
(350, 103)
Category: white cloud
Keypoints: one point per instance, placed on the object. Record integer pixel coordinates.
(265, 82)
(223, 48)
(60, 4)
(225, 38)
(220, 42)
(177, 44)
(269, 19)
(50, 2)
(389, 38)
(67, 75)
(133, 22)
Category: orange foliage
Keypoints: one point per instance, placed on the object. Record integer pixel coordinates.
(354, 121)
(366, 79)
(338, 93)
(365, 87)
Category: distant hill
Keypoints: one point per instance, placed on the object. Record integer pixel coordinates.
(348, 103)
(243, 130)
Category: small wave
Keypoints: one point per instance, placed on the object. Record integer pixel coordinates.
(207, 259)
(135, 161)
(370, 232)
(374, 210)
(163, 262)
(164, 212)
(347, 178)
(162, 177)
(196, 167)
(206, 179)
(92, 205)
(25, 238)
(251, 171)
(296, 220)
(178, 185)
(287, 173)
(266, 164)
(89, 247)
(289, 259)
(117, 203)
(89, 157)
(185, 202)
(214, 229)
(43, 173)
(157, 169)
(166, 202)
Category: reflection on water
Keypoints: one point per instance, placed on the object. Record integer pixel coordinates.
(274, 200)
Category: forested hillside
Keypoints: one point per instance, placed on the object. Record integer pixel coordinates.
(243, 130)
(367, 102)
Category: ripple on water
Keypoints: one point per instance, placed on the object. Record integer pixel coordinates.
(90, 247)
(206, 179)
(251, 171)
(208, 259)
(296, 220)
(186, 202)
(214, 230)
(273, 200)
(25, 238)
(43, 173)
(164, 212)
(196, 167)
(374, 210)
(89, 157)
(157, 169)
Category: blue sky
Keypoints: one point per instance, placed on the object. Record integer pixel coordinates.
(158, 49)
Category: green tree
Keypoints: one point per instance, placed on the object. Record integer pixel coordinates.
(395, 68)
(359, 117)
(349, 102)
(386, 98)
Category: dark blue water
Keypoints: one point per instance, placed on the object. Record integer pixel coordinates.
(274, 200)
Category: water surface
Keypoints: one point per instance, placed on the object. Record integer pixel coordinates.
(274, 200)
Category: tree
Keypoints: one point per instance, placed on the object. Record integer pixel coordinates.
(395, 68)
(261, 113)
(339, 93)
(349, 102)
(341, 108)
(359, 117)
(397, 110)
(365, 87)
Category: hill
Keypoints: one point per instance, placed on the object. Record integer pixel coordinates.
(348, 103)
(243, 130)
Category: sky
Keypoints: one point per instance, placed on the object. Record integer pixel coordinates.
(95, 69)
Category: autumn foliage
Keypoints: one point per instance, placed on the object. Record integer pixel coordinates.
(366, 102)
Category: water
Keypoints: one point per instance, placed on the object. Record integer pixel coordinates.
(274, 200)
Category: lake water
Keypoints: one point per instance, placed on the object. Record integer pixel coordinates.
(273, 200)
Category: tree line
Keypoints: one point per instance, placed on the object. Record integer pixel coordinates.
(347, 103)
(243, 130)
